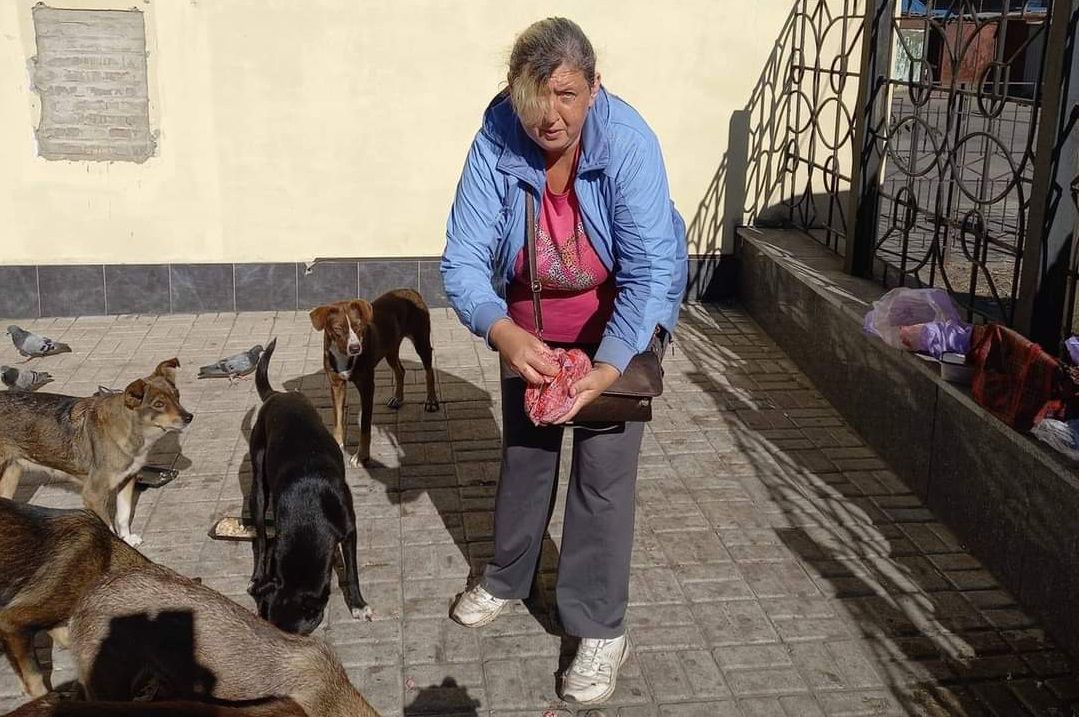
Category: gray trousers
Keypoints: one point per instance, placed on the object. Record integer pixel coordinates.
(597, 537)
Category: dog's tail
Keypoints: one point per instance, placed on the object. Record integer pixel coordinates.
(262, 380)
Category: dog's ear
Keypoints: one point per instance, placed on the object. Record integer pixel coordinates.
(363, 308)
(134, 393)
(167, 370)
(319, 317)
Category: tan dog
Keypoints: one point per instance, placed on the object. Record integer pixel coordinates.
(154, 626)
(48, 560)
(356, 335)
(101, 440)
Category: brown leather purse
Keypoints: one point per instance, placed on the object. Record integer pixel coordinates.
(630, 397)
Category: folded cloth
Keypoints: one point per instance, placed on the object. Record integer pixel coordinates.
(1060, 435)
(548, 402)
(937, 337)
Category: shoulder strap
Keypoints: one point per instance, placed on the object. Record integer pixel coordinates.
(533, 271)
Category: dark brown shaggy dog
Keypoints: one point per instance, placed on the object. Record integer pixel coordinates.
(101, 440)
(356, 336)
(48, 560)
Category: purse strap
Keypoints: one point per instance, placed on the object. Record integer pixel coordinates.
(533, 271)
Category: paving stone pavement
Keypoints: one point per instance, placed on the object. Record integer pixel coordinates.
(780, 567)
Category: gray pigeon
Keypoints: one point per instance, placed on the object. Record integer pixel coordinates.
(234, 366)
(31, 345)
(23, 379)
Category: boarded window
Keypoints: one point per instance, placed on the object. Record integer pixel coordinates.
(90, 72)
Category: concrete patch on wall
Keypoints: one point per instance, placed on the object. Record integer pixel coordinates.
(91, 75)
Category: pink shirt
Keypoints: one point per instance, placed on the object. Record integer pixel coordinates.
(578, 291)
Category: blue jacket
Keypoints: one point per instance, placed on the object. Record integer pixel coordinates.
(621, 186)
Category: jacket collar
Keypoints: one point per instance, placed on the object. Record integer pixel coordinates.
(521, 157)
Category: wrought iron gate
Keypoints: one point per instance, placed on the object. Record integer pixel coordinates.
(964, 168)
(963, 154)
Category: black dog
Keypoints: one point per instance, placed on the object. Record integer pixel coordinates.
(297, 465)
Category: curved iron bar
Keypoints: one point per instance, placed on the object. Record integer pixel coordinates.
(976, 133)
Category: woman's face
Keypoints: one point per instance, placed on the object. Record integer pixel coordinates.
(559, 128)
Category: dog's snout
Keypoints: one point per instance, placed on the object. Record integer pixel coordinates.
(355, 348)
(187, 417)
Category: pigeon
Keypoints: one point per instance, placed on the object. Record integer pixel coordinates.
(23, 379)
(235, 366)
(32, 346)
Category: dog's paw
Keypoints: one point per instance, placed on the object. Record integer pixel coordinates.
(395, 402)
(431, 405)
(364, 613)
(132, 539)
(357, 460)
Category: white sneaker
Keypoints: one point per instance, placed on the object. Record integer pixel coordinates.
(476, 607)
(591, 677)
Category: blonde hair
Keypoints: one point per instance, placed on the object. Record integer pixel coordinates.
(537, 53)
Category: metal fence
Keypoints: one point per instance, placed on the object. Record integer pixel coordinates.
(935, 144)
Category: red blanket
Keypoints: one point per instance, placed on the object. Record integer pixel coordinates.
(1014, 378)
(549, 402)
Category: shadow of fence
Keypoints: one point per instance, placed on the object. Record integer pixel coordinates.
(783, 166)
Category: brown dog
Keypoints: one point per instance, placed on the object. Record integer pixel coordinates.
(48, 560)
(52, 706)
(356, 336)
(154, 626)
(101, 440)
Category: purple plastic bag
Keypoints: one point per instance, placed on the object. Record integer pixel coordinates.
(1072, 344)
(906, 307)
(937, 337)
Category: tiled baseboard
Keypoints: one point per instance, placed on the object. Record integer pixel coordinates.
(30, 291)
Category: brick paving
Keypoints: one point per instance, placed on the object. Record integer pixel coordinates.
(780, 567)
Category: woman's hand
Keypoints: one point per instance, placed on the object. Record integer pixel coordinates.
(523, 352)
(587, 389)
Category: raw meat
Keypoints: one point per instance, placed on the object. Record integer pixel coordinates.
(549, 402)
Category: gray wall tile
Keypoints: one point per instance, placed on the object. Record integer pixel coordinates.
(137, 288)
(265, 287)
(712, 278)
(201, 287)
(191, 288)
(18, 292)
(380, 275)
(77, 290)
(431, 285)
(327, 282)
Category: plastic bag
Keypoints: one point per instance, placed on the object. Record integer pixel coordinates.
(1062, 436)
(936, 338)
(906, 307)
(550, 401)
(1072, 345)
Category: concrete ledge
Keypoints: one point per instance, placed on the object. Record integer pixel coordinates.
(1012, 500)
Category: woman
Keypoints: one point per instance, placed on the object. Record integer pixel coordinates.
(612, 263)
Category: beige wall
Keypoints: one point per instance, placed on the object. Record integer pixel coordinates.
(293, 130)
